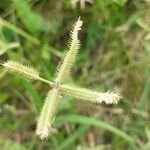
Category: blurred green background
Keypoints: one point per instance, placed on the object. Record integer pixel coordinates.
(114, 55)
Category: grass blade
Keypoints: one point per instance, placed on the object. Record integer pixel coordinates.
(36, 102)
(73, 137)
(98, 123)
(19, 31)
(27, 16)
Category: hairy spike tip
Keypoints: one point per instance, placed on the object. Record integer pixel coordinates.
(75, 29)
(79, 23)
(90, 95)
(21, 69)
(109, 98)
(70, 57)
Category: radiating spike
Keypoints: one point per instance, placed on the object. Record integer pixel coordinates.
(73, 48)
(21, 69)
(88, 95)
(46, 119)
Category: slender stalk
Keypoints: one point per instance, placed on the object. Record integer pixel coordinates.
(46, 81)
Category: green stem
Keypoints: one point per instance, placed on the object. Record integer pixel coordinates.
(46, 81)
(19, 31)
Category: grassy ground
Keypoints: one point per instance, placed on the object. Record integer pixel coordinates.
(114, 55)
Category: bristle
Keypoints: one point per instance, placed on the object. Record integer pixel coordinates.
(21, 69)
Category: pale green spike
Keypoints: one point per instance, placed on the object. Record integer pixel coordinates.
(44, 125)
(89, 95)
(71, 54)
(21, 69)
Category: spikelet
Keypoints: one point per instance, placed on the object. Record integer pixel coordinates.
(21, 70)
(69, 59)
(46, 119)
(89, 95)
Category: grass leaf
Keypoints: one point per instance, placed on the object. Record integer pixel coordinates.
(32, 21)
(98, 123)
(36, 102)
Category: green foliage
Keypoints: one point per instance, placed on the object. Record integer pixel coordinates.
(8, 144)
(98, 123)
(32, 21)
(36, 102)
(120, 2)
(114, 55)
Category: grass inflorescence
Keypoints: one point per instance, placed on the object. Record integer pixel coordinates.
(48, 112)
